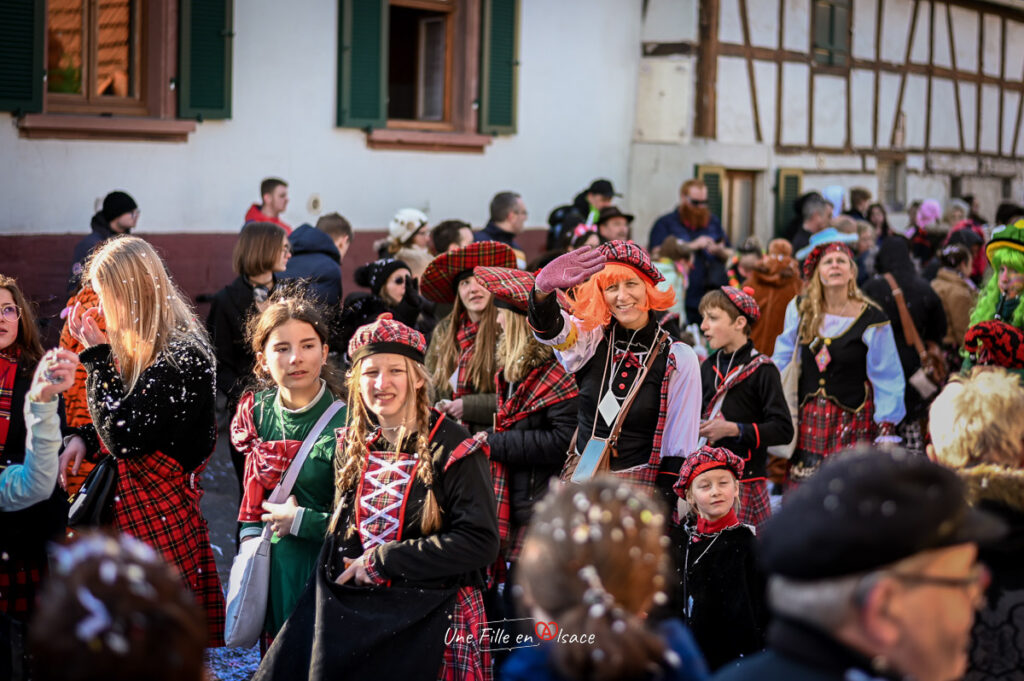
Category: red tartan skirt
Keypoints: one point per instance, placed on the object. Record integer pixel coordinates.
(466, 660)
(20, 580)
(158, 503)
(826, 428)
(755, 506)
(642, 477)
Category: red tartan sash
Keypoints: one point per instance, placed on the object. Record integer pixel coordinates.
(466, 338)
(738, 375)
(546, 385)
(265, 462)
(8, 369)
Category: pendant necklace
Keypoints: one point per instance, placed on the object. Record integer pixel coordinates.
(609, 406)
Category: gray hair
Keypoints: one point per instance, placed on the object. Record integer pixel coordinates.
(813, 205)
(825, 603)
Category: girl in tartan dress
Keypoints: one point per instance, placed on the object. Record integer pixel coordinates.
(151, 395)
(851, 381)
(605, 342)
(289, 341)
(397, 593)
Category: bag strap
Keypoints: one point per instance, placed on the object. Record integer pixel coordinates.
(909, 330)
(284, 488)
(613, 437)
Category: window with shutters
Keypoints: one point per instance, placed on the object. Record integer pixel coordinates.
(788, 189)
(427, 74)
(892, 182)
(832, 32)
(114, 69)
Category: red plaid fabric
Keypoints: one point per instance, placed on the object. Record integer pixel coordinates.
(466, 338)
(995, 343)
(438, 281)
(20, 580)
(265, 462)
(383, 490)
(513, 287)
(825, 428)
(546, 385)
(158, 503)
(8, 369)
(497, 572)
(743, 299)
(755, 506)
(387, 331)
(659, 430)
(818, 252)
(465, 659)
(628, 253)
(703, 460)
(732, 380)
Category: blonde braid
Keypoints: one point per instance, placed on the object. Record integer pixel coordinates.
(430, 519)
(350, 456)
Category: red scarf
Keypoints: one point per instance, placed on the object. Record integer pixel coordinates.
(466, 338)
(8, 370)
(715, 526)
(265, 462)
(546, 385)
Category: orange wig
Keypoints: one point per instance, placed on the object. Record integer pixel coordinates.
(590, 307)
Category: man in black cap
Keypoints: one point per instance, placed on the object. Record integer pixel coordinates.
(119, 215)
(613, 224)
(873, 573)
(589, 202)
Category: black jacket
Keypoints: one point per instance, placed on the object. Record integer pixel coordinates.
(923, 303)
(229, 310)
(316, 259)
(534, 449)
(100, 232)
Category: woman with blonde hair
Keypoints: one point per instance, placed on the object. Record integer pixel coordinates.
(151, 393)
(851, 380)
(611, 341)
(461, 358)
(413, 529)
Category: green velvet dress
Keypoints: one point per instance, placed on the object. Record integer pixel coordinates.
(293, 557)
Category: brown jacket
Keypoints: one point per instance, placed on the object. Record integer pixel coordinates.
(776, 281)
(958, 298)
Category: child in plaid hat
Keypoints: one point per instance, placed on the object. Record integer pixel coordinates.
(744, 407)
(721, 591)
(414, 517)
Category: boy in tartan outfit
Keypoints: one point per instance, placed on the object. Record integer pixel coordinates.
(744, 407)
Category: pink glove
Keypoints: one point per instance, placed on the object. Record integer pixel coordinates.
(570, 269)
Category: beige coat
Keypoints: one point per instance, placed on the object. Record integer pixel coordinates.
(958, 297)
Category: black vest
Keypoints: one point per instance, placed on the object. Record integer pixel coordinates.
(636, 439)
(845, 377)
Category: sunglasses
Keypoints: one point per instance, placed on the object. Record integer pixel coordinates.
(698, 202)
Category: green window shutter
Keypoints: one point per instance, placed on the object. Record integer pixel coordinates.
(363, 63)
(21, 55)
(714, 178)
(788, 188)
(498, 67)
(204, 59)
(832, 32)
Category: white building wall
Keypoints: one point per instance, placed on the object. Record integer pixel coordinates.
(283, 108)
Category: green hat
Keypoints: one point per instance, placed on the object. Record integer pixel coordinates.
(1007, 236)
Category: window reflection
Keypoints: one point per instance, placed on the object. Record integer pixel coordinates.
(64, 46)
(114, 54)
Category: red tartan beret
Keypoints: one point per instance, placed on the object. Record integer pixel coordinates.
(707, 459)
(995, 343)
(387, 335)
(744, 300)
(439, 280)
(508, 286)
(628, 253)
(819, 252)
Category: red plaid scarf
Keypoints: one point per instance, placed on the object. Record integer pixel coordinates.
(265, 462)
(8, 369)
(741, 373)
(546, 385)
(466, 338)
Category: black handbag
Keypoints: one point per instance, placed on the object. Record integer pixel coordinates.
(93, 506)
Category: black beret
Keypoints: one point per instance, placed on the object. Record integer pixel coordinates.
(867, 508)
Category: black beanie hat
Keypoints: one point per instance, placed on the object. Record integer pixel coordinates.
(117, 204)
(373, 275)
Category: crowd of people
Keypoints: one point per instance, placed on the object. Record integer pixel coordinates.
(636, 463)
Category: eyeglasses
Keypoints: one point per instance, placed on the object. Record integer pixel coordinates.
(976, 583)
(10, 313)
(287, 248)
(698, 202)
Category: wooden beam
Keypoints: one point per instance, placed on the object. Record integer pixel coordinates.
(928, 87)
(879, 13)
(707, 69)
(1002, 77)
(778, 73)
(903, 80)
(977, 86)
(956, 81)
(750, 71)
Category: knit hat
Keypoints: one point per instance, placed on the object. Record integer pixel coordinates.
(387, 335)
(373, 275)
(819, 252)
(995, 343)
(743, 299)
(405, 224)
(929, 213)
(1007, 236)
(116, 204)
(511, 288)
(440, 280)
(703, 460)
(629, 254)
